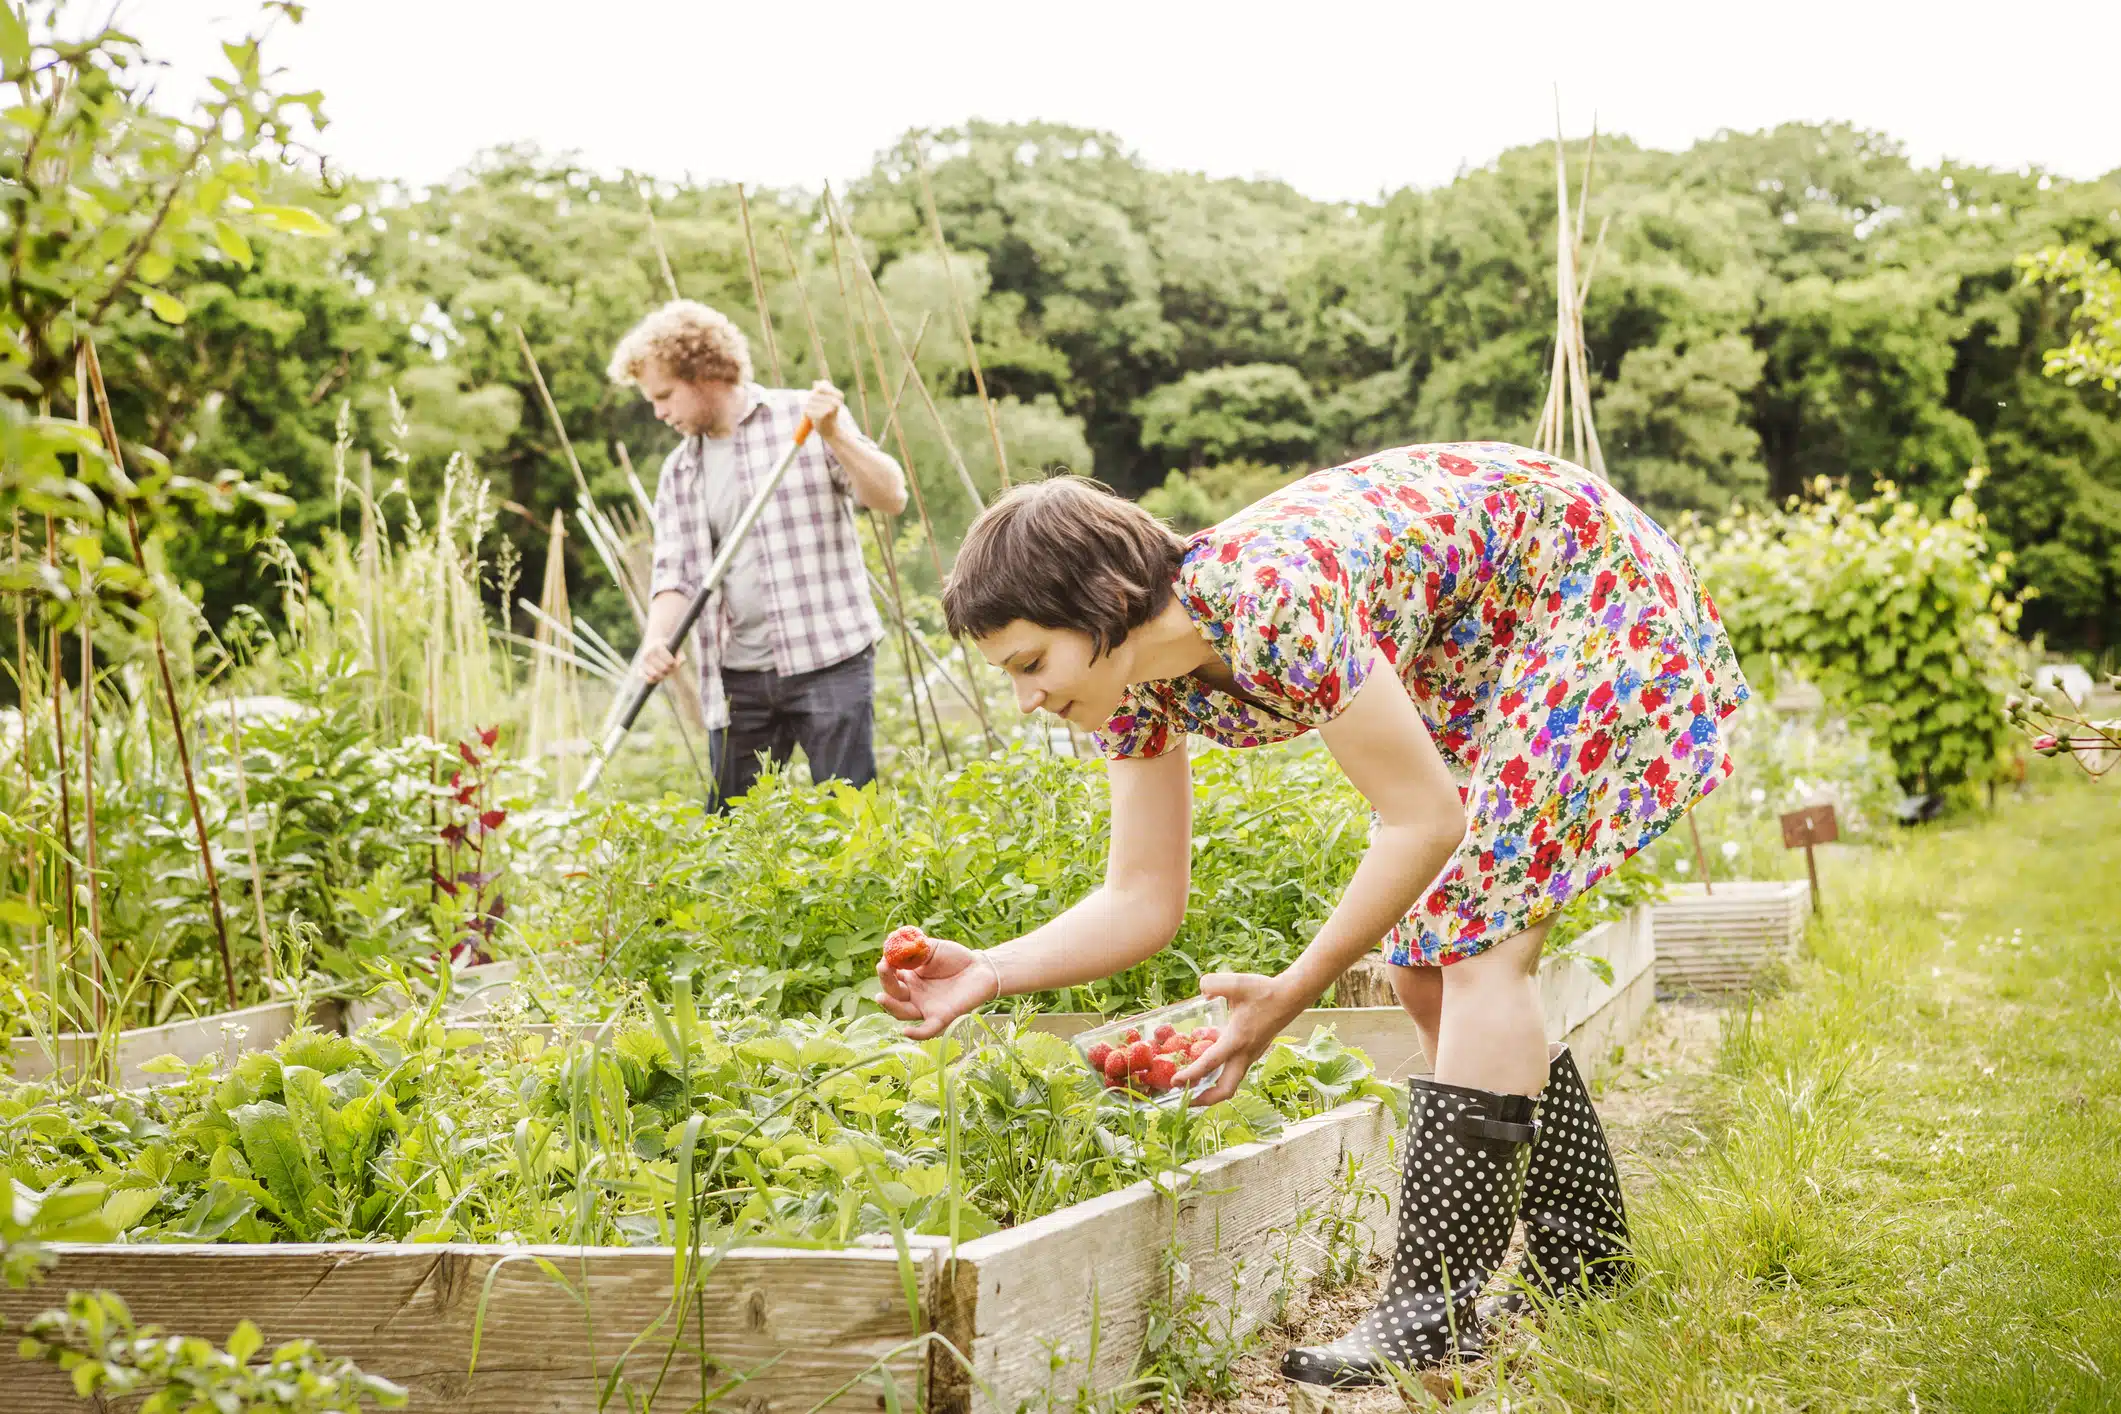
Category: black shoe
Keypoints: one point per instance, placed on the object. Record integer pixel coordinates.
(1465, 1162)
(1575, 1222)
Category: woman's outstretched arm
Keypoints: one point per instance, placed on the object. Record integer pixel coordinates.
(1136, 911)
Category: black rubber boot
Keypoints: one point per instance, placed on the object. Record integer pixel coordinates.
(1465, 1162)
(1575, 1221)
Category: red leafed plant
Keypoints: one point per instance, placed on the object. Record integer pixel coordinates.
(464, 874)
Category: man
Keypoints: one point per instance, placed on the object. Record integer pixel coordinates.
(787, 649)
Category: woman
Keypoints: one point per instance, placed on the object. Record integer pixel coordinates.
(1512, 664)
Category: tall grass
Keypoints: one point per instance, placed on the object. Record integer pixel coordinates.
(1905, 1193)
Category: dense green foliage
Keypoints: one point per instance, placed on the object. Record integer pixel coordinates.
(666, 1130)
(1766, 309)
(1900, 616)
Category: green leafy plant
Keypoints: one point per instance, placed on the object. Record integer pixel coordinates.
(1901, 616)
(107, 1356)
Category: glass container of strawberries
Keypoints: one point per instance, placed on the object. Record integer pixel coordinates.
(1138, 1057)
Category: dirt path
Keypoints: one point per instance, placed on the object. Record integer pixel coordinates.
(1648, 1105)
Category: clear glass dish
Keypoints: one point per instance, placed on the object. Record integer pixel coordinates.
(1149, 1084)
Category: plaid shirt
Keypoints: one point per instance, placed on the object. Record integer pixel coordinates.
(817, 593)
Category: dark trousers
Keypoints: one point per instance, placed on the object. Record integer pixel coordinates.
(830, 713)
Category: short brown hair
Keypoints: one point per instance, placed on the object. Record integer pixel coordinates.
(690, 342)
(1067, 553)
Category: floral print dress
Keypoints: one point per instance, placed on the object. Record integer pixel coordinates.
(1573, 675)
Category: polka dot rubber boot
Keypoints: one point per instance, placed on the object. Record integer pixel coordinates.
(1575, 1222)
(1466, 1153)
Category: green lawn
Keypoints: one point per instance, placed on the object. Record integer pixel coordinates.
(1909, 1194)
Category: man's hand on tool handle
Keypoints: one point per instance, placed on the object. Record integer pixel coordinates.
(823, 409)
(656, 663)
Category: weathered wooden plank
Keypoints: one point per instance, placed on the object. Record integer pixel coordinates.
(221, 1036)
(1024, 1299)
(1718, 941)
(804, 1323)
(1060, 1305)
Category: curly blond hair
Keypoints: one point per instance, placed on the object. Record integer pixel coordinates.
(689, 341)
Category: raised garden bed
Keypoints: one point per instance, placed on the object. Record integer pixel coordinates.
(1720, 940)
(807, 1327)
(224, 1035)
(1044, 1310)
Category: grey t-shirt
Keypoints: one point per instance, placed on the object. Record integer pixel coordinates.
(749, 645)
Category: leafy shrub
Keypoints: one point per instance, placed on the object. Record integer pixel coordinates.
(1901, 617)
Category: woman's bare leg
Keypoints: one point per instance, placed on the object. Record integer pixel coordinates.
(1420, 991)
(1492, 1034)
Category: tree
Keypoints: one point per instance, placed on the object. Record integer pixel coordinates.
(1249, 412)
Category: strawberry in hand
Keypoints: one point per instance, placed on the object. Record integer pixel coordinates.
(931, 982)
(907, 949)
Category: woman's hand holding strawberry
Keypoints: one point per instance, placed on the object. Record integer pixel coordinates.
(933, 981)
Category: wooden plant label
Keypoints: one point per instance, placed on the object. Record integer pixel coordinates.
(1815, 824)
(1801, 829)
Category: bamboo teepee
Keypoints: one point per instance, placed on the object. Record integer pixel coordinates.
(1567, 414)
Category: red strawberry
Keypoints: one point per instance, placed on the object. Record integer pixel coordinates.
(1099, 1054)
(1163, 1034)
(1161, 1072)
(1131, 1037)
(1139, 1055)
(1211, 1032)
(907, 949)
(1116, 1068)
(1199, 1048)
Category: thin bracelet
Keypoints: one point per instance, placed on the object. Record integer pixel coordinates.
(994, 970)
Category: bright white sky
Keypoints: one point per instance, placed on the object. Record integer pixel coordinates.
(1341, 99)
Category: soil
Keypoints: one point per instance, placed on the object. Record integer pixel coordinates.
(1648, 1104)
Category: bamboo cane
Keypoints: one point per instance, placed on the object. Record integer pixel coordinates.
(824, 367)
(891, 327)
(887, 548)
(169, 682)
(97, 983)
(913, 480)
(964, 323)
(552, 413)
(758, 287)
(633, 481)
(662, 257)
(32, 868)
(250, 839)
(57, 670)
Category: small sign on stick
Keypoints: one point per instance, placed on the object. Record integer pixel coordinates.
(1813, 825)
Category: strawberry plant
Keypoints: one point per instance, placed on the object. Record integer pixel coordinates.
(812, 1130)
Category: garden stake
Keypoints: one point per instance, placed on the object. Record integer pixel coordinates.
(629, 705)
(633, 481)
(758, 286)
(169, 683)
(964, 325)
(250, 839)
(913, 481)
(88, 794)
(662, 257)
(581, 482)
(66, 809)
(891, 328)
(30, 869)
(876, 520)
(1701, 858)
